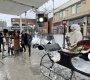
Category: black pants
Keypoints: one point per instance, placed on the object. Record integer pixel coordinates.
(0, 45)
(23, 46)
(29, 47)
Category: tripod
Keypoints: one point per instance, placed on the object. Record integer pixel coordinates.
(10, 48)
(3, 56)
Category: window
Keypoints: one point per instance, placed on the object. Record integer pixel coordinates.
(15, 24)
(64, 14)
(78, 8)
(23, 24)
(1, 25)
(54, 16)
(73, 10)
(61, 15)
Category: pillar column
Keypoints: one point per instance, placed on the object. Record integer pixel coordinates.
(20, 24)
(85, 26)
(67, 26)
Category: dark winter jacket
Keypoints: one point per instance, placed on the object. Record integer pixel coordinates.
(1, 38)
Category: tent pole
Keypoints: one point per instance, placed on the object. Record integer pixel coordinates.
(20, 23)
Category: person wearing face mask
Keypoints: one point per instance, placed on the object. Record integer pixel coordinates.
(74, 36)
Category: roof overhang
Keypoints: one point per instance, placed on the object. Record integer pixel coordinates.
(66, 5)
(17, 7)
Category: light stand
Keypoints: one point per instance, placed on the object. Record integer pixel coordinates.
(41, 19)
(53, 17)
(64, 25)
(3, 56)
(26, 21)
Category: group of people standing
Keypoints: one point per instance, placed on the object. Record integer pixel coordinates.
(24, 41)
(2, 41)
(18, 40)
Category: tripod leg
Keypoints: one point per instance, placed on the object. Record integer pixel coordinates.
(3, 56)
(29, 50)
(72, 75)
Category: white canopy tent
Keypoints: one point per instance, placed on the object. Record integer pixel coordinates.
(17, 7)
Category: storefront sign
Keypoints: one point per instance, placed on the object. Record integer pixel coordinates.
(17, 27)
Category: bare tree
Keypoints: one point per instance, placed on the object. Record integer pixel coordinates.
(46, 9)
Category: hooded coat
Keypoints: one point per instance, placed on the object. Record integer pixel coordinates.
(16, 42)
(76, 35)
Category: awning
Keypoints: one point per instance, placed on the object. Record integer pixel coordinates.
(57, 23)
(17, 7)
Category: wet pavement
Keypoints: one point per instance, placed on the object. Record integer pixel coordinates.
(24, 67)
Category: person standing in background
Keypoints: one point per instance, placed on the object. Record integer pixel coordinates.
(16, 42)
(22, 40)
(1, 40)
(7, 36)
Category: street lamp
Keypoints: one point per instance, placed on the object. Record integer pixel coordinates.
(41, 19)
(64, 25)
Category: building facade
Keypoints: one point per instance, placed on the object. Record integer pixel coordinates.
(3, 25)
(15, 22)
(74, 11)
(25, 22)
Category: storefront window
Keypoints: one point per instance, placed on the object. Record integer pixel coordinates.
(88, 19)
(88, 24)
(88, 30)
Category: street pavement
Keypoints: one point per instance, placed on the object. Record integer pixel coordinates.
(24, 67)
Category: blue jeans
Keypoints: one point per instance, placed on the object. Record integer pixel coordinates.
(16, 52)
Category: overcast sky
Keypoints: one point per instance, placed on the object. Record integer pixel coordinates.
(48, 5)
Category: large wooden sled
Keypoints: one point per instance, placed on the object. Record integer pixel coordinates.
(64, 58)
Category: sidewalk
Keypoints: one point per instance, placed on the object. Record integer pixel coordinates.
(22, 67)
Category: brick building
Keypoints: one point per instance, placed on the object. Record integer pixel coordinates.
(25, 22)
(50, 25)
(74, 11)
(47, 28)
